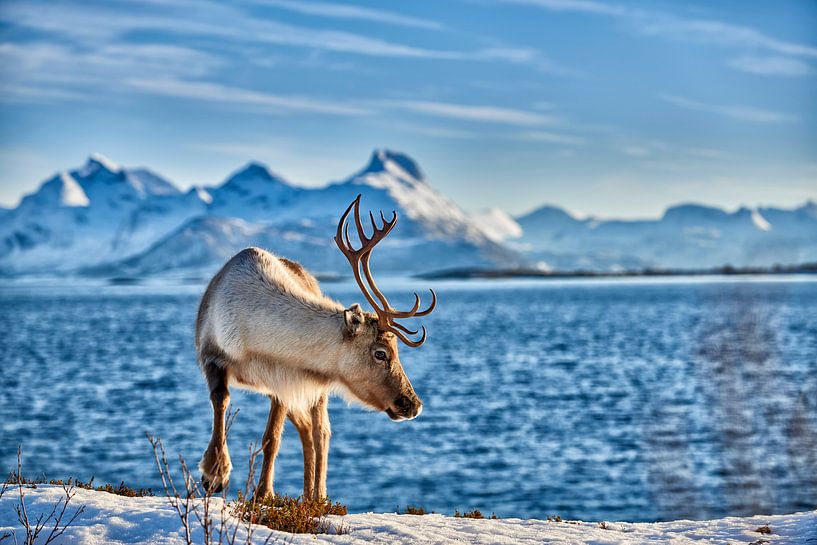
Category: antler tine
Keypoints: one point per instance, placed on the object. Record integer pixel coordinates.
(346, 235)
(403, 328)
(374, 225)
(341, 224)
(414, 313)
(405, 313)
(364, 240)
(409, 342)
(431, 307)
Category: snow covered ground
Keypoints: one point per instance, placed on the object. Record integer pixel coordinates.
(110, 519)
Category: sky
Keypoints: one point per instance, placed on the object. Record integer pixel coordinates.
(615, 109)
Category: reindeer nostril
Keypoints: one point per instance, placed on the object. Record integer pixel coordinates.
(403, 404)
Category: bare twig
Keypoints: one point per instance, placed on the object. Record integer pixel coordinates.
(57, 514)
(3, 487)
(181, 508)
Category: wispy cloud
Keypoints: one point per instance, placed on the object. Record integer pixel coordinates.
(205, 19)
(434, 131)
(242, 98)
(549, 137)
(582, 6)
(718, 32)
(54, 61)
(742, 113)
(220, 22)
(525, 56)
(771, 66)
(640, 148)
(668, 26)
(346, 11)
(49, 72)
(482, 113)
(43, 94)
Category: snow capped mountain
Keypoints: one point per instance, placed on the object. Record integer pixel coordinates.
(686, 236)
(96, 213)
(105, 219)
(393, 179)
(299, 223)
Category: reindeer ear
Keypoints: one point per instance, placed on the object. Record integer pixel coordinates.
(354, 319)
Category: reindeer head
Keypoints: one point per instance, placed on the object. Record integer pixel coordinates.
(375, 374)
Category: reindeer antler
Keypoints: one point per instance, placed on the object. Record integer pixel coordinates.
(359, 260)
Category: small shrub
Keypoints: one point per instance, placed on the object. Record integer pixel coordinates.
(293, 515)
(554, 518)
(121, 490)
(475, 514)
(413, 510)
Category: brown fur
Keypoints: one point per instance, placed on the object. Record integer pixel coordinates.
(309, 282)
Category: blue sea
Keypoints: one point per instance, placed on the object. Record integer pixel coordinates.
(623, 399)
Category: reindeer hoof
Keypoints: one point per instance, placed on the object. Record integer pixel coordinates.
(215, 469)
(262, 494)
(213, 488)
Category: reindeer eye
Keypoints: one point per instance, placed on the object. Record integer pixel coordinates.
(381, 355)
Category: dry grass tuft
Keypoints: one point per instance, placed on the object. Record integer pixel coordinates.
(120, 490)
(292, 515)
(413, 510)
(475, 514)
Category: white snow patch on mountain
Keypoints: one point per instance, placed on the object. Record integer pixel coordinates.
(760, 222)
(71, 194)
(497, 224)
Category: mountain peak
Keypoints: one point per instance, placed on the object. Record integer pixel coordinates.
(694, 211)
(97, 161)
(384, 160)
(809, 207)
(255, 172)
(549, 213)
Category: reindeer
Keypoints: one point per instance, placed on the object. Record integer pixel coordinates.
(264, 325)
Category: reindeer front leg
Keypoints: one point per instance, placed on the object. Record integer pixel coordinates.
(321, 432)
(303, 423)
(270, 444)
(215, 465)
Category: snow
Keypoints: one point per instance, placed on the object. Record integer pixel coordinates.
(97, 160)
(114, 520)
(203, 194)
(71, 193)
(497, 224)
(760, 222)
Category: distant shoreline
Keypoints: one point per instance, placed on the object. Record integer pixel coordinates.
(476, 273)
